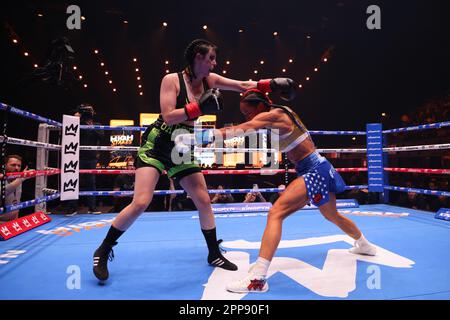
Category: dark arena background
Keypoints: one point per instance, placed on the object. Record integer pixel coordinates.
(372, 85)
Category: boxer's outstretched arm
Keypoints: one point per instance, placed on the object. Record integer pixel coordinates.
(217, 81)
(265, 120)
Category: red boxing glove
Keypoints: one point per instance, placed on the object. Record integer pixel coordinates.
(209, 103)
(192, 110)
(264, 85)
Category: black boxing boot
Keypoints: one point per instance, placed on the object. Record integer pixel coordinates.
(101, 257)
(105, 253)
(215, 257)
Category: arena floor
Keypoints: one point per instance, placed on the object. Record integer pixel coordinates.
(163, 257)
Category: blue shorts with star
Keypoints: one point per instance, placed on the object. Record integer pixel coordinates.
(320, 178)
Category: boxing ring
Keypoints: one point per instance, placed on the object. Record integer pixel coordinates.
(163, 254)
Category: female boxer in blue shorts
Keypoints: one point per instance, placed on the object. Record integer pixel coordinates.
(317, 182)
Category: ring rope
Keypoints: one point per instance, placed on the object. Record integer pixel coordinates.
(419, 148)
(213, 191)
(240, 150)
(40, 173)
(337, 133)
(17, 141)
(421, 191)
(28, 203)
(419, 170)
(30, 143)
(168, 192)
(29, 115)
(420, 127)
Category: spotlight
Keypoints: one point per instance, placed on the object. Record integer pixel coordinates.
(164, 24)
(205, 27)
(275, 33)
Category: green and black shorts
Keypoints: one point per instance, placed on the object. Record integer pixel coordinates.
(158, 151)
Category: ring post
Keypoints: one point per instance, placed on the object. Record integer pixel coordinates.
(3, 144)
(385, 194)
(375, 167)
(42, 164)
(286, 169)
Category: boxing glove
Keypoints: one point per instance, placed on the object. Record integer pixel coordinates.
(209, 103)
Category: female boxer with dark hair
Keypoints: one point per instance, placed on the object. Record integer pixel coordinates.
(184, 96)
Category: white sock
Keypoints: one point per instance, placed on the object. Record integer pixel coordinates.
(260, 267)
(362, 241)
